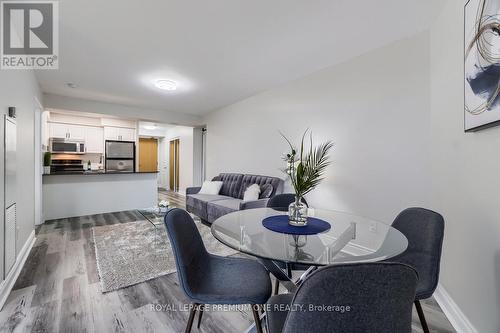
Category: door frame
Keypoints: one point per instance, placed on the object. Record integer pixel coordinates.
(174, 164)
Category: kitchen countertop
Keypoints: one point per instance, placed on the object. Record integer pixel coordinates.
(97, 173)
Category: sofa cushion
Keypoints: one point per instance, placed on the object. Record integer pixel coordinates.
(265, 191)
(231, 184)
(212, 187)
(219, 208)
(197, 203)
(251, 193)
(259, 180)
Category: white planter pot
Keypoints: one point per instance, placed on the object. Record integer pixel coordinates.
(46, 170)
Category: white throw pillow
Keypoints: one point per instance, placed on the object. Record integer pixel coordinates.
(210, 187)
(251, 193)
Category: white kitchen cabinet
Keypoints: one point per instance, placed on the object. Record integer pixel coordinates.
(76, 132)
(94, 140)
(119, 133)
(58, 131)
(65, 131)
(127, 134)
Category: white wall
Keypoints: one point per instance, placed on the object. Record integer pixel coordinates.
(374, 107)
(19, 88)
(465, 181)
(185, 136)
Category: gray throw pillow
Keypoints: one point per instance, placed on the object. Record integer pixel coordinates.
(265, 191)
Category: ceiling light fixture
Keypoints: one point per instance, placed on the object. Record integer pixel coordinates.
(71, 85)
(150, 127)
(166, 85)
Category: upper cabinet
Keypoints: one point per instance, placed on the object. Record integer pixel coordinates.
(127, 134)
(65, 131)
(94, 140)
(76, 132)
(59, 131)
(119, 133)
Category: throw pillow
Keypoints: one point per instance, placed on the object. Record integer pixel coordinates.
(210, 187)
(251, 193)
(265, 191)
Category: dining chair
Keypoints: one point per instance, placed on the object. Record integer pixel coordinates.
(366, 297)
(280, 202)
(424, 230)
(209, 279)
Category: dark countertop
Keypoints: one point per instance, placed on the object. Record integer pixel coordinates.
(97, 173)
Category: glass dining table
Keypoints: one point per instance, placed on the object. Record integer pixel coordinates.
(351, 239)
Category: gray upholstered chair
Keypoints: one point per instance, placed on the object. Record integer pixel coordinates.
(424, 230)
(209, 279)
(368, 297)
(281, 202)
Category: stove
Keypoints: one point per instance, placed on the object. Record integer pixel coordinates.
(66, 166)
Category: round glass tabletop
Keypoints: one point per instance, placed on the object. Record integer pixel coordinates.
(351, 238)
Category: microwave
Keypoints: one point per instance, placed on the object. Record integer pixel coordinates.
(66, 146)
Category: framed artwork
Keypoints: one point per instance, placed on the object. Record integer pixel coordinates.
(482, 64)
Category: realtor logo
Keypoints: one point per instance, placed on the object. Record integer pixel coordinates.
(29, 34)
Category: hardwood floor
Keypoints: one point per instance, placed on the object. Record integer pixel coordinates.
(58, 289)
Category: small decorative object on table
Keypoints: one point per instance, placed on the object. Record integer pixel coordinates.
(47, 159)
(163, 206)
(305, 169)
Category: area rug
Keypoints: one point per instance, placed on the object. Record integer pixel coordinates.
(131, 253)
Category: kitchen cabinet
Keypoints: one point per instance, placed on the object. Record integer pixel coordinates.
(94, 140)
(127, 134)
(65, 131)
(59, 131)
(76, 132)
(119, 133)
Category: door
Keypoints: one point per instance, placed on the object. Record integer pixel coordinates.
(39, 145)
(94, 140)
(174, 165)
(148, 155)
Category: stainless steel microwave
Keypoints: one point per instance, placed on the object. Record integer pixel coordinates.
(66, 146)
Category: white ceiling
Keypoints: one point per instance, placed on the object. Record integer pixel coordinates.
(219, 51)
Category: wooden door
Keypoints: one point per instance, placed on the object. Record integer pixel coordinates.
(174, 165)
(148, 155)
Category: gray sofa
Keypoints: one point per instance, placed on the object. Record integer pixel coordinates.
(230, 198)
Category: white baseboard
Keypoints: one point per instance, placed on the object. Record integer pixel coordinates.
(456, 317)
(8, 283)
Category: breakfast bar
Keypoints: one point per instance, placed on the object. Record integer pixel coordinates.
(67, 195)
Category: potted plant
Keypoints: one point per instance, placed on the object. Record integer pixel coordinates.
(47, 158)
(305, 167)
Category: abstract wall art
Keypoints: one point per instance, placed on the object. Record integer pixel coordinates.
(482, 64)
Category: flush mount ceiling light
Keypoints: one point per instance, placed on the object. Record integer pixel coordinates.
(166, 85)
(71, 85)
(150, 127)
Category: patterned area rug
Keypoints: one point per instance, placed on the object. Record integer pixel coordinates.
(131, 253)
